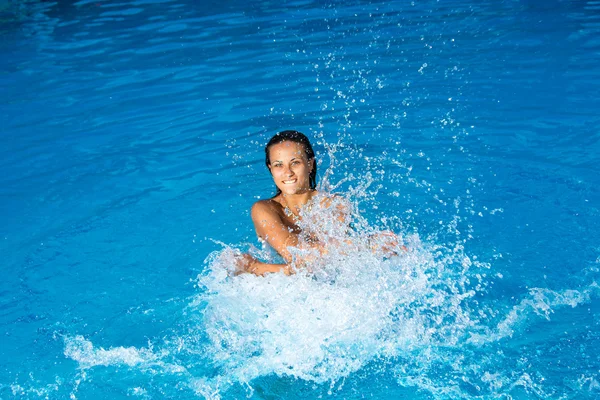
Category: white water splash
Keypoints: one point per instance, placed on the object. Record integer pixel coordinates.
(87, 355)
(417, 314)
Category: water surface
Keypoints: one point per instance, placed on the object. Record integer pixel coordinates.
(131, 146)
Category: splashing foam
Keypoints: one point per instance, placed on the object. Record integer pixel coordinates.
(418, 309)
(87, 355)
(418, 313)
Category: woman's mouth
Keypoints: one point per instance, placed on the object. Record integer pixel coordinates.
(289, 182)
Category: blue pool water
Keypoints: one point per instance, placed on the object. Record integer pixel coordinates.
(131, 149)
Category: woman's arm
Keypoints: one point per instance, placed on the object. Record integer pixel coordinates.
(270, 228)
(249, 264)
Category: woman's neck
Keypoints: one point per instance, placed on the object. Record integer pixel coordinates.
(295, 201)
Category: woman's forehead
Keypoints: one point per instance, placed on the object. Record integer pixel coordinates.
(287, 149)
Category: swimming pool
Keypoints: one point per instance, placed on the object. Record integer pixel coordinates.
(131, 144)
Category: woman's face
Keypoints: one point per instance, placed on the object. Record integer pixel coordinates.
(290, 167)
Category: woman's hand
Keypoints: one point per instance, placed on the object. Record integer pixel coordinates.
(245, 263)
(387, 242)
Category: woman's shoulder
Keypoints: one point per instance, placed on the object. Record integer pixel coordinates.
(265, 207)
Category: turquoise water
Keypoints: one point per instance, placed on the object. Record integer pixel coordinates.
(131, 147)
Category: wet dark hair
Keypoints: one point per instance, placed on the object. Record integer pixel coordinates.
(296, 137)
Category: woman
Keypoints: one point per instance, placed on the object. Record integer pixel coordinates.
(291, 161)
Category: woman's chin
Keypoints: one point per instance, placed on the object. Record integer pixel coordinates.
(288, 190)
(291, 190)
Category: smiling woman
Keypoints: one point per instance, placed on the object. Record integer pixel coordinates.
(291, 161)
